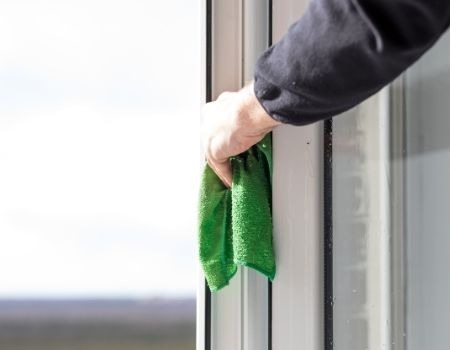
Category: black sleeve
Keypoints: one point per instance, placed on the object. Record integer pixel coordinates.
(341, 52)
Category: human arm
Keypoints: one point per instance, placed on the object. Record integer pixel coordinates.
(342, 51)
(339, 53)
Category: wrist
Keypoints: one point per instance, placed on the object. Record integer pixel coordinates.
(252, 115)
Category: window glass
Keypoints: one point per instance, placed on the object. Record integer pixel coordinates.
(98, 172)
(427, 199)
(391, 199)
(357, 222)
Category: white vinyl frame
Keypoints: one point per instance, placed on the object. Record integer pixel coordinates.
(239, 314)
(200, 295)
(297, 294)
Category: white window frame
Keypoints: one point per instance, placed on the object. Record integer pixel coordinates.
(251, 313)
(296, 310)
(298, 298)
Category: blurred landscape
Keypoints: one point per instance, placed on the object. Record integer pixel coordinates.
(154, 324)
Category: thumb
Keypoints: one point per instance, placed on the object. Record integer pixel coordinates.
(223, 171)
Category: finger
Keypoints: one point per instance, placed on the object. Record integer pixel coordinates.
(223, 171)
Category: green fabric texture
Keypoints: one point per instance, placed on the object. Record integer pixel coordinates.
(235, 225)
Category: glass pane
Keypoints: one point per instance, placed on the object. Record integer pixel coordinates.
(391, 199)
(98, 171)
(427, 202)
(357, 222)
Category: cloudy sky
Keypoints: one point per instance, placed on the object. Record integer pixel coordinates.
(99, 150)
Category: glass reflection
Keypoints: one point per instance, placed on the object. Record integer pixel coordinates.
(391, 198)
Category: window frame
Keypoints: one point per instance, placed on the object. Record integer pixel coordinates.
(252, 313)
(234, 33)
(297, 308)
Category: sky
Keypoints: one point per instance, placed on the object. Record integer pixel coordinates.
(99, 148)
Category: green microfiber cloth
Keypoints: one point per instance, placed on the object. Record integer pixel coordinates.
(235, 225)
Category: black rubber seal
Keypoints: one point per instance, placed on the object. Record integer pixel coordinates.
(208, 97)
(328, 234)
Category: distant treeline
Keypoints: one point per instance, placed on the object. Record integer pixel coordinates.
(156, 324)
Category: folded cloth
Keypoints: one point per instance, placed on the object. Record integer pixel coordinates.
(235, 225)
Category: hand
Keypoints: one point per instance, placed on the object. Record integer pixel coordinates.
(230, 126)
